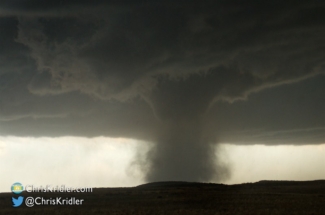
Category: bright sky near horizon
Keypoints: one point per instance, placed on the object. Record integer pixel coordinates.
(105, 162)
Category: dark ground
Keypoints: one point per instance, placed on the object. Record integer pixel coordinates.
(264, 197)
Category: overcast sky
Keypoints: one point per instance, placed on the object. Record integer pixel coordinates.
(181, 77)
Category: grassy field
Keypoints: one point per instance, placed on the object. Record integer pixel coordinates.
(264, 197)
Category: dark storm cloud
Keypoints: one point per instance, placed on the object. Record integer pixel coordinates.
(47, 8)
(119, 53)
(181, 75)
(287, 114)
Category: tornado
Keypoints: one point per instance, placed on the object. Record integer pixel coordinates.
(183, 153)
(183, 150)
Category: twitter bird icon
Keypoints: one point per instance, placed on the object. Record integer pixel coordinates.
(17, 202)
